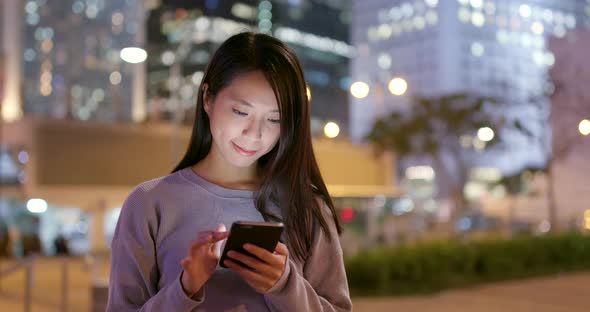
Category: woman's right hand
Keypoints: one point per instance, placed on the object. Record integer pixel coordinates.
(202, 259)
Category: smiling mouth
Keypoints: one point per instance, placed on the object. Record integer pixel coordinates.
(243, 151)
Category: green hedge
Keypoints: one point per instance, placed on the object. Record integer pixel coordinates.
(430, 267)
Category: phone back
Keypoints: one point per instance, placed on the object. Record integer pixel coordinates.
(264, 235)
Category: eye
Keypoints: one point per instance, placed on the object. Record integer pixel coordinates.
(275, 121)
(237, 112)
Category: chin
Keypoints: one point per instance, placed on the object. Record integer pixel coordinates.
(242, 162)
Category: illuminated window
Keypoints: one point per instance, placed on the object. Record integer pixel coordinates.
(396, 29)
(464, 15)
(431, 17)
(372, 34)
(515, 23)
(431, 3)
(419, 22)
(525, 10)
(539, 42)
(478, 19)
(477, 49)
(559, 31)
(547, 15)
(501, 21)
(407, 10)
(538, 58)
(476, 4)
(384, 31)
(408, 25)
(502, 36)
(384, 61)
(537, 28)
(395, 14)
(525, 40)
(558, 17)
(490, 8)
(570, 21)
(549, 59)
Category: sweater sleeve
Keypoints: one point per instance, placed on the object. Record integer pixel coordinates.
(322, 286)
(133, 283)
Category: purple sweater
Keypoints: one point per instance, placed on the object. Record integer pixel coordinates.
(161, 217)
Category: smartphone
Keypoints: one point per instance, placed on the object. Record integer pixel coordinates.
(262, 234)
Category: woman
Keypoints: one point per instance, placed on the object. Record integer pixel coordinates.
(250, 158)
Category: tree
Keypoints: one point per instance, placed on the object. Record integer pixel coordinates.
(570, 100)
(436, 127)
(515, 185)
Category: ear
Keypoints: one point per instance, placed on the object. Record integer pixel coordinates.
(206, 98)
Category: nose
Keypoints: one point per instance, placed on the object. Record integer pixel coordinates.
(253, 129)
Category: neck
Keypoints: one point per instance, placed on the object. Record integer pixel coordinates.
(214, 169)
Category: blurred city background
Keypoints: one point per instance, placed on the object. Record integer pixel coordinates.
(454, 121)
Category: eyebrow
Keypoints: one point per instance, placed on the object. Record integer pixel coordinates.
(243, 102)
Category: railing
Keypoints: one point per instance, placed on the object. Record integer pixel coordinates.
(95, 261)
(27, 265)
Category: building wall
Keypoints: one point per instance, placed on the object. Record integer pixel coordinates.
(81, 164)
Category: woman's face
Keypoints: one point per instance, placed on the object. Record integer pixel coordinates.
(244, 119)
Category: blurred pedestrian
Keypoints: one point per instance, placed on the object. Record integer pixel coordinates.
(4, 240)
(250, 158)
(60, 244)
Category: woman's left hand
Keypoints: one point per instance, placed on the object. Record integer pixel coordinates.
(267, 271)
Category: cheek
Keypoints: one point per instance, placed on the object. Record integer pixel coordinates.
(222, 127)
(272, 137)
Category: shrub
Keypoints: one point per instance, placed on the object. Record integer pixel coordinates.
(434, 266)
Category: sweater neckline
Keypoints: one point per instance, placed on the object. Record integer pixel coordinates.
(211, 187)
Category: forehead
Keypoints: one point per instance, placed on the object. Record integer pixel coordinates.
(252, 88)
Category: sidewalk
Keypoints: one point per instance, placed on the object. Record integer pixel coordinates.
(565, 293)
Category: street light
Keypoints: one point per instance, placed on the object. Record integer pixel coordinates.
(133, 55)
(331, 130)
(485, 134)
(359, 89)
(397, 86)
(584, 127)
(36, 205)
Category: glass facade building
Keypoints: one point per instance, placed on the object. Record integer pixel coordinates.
(182, 35)
(71, 62)
(484, 47)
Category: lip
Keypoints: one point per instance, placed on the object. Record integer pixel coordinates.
(243, 151)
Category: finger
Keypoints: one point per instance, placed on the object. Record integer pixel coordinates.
(221, 232)
(203, 238)
(263, 254)
(221, 227)
(248, 275)
(185, 263)
(209, 237)
(251, 262)
(282, 249)
(216, 233)
(217, 236)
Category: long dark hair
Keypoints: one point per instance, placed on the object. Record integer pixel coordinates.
(289, 174)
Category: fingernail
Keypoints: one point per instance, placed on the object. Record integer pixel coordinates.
(247, 246)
